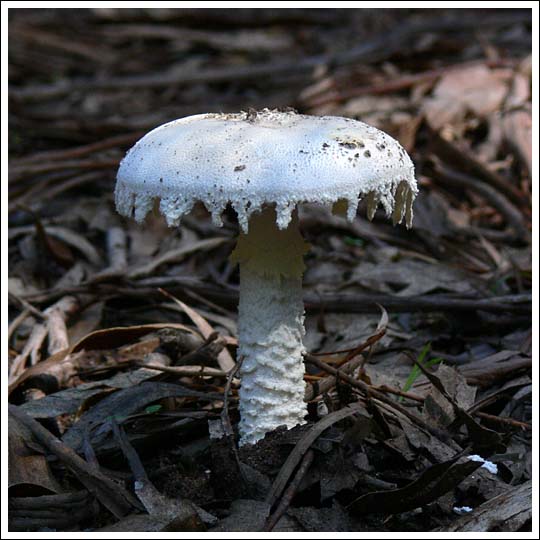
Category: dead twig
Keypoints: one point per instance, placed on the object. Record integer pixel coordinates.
(290, 492)
(302, 446)
(403, 82)
(371, 340)
(31, 350)
(508, 511)
(16, 322)
(113, 496)
(16, 173)
(56, 323)
(463, 159)
(189, 371)
(226, 420)
(503, 420)
(27, 305)
(332, 303)
(380, 47)
(371, 391)
(324, 385)
(512, 215)
(80, 151)
(176, 255)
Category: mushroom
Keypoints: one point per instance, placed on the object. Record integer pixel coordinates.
(264, 164)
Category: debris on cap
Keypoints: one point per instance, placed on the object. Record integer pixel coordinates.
(272, 157)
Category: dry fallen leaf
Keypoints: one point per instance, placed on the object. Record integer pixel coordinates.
(475, 89)
(29, 471)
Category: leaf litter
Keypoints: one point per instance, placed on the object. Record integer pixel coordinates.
(123, 387)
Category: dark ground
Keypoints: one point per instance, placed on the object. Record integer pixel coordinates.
(387, 443)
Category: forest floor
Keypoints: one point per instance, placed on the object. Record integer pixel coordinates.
(122, 412)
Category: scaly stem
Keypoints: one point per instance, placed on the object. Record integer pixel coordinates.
(270, 327)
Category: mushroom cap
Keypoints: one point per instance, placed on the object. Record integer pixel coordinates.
(264, 158)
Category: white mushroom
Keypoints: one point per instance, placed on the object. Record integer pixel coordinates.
(264, 164)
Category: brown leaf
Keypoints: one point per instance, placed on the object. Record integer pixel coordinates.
(482, 437)
(113, 496)
(75, 400)
(475, 89)
(108, 338)
(437, 407)
(29, 472)
(225, 360)
(59, 251)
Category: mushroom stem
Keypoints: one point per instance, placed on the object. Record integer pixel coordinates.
(270, 327)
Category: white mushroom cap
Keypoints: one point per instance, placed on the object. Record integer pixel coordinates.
(269, 157)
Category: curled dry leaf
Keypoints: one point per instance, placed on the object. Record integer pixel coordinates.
(437, 407)
(100, 339)
(225, 360)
